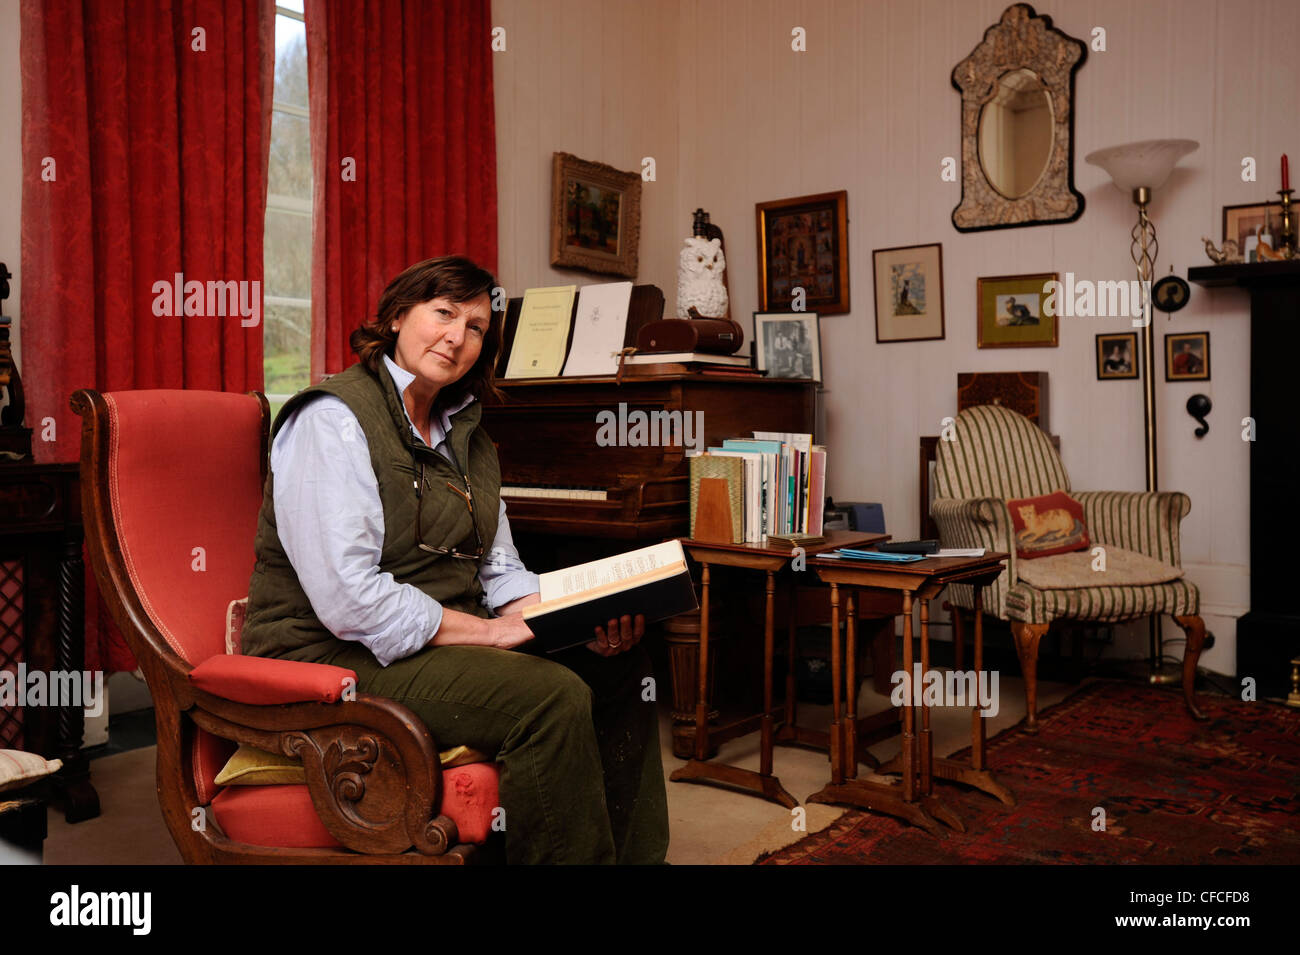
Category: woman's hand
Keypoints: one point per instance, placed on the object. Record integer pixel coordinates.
(467, 629)
(619, 636)
(506, 633)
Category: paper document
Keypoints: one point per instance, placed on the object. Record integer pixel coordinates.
(599, 329)
(542, 334)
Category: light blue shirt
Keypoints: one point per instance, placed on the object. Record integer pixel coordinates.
(331, 524)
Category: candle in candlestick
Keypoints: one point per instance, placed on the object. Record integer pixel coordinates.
(1286, 174)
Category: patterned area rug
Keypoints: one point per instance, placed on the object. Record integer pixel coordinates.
(1174, 792)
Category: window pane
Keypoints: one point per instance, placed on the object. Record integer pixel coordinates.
(287, 255)
(289, 172)
(287, 344)
(290, 61)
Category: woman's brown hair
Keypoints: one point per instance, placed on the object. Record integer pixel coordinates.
(451, 276)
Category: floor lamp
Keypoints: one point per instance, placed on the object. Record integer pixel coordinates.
(1139, 169)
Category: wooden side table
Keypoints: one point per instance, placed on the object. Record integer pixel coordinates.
(770, 560)
(913, 798)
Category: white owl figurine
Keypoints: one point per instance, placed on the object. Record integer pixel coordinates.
(700, 268)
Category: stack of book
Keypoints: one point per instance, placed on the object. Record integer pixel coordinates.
(772, 484)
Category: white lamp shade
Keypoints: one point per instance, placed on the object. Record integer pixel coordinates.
(1147, 163)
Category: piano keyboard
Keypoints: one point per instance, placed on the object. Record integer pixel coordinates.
(552, 492)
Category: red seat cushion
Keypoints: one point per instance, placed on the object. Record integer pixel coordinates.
(263, 680)
(284, 815)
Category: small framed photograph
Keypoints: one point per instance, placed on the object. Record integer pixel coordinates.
(803, 243)
(1011, 313)
(1240, 223)
(1187, 356)
(909, 293)
(1117, 356)
(595, 216)
(788, 344)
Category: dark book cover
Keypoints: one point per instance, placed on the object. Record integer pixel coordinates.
(574, 625)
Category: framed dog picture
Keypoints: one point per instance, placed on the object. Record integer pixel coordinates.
(909, 293)
(1117, 356)
(595, 216)
(788, 345)
(1187, 356)
(1011, 313)
(803, 243)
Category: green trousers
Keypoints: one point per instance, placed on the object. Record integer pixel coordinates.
(582, 779)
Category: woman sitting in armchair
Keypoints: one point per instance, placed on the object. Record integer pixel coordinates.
(383, 546)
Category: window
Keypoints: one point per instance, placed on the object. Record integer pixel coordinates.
(286, 326)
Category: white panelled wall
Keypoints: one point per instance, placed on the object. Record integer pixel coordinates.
(733, 116)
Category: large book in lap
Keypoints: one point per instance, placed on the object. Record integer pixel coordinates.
(653, 581)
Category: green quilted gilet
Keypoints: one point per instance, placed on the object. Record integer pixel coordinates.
(280, 621)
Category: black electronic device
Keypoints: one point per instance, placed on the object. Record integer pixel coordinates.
(909, 547)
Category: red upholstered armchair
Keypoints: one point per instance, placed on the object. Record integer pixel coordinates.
(171, 487)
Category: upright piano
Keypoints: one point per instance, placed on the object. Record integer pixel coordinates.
(561, 476)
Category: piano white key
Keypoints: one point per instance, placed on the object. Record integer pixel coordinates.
(517, 492)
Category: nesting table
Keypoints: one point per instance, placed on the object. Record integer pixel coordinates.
(770, 560)
(913, 798)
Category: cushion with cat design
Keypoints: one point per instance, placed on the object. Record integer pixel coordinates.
(1048, 524)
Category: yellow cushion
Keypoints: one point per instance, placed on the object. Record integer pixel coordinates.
(250, 766)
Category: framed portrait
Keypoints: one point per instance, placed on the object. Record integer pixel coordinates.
(909, 293)
(1117, 356)
(788, 344)
(595, 216)
(1011, 313)
(803, 243)
(1187, 356)
(1240, 222)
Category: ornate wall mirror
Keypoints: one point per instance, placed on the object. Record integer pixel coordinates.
(1017, 125)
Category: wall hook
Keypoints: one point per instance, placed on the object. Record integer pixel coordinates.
(1199, 406)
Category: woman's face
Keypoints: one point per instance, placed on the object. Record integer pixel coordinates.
(439, 341)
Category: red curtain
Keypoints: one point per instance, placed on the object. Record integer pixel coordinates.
(145, 132)
(403, 151)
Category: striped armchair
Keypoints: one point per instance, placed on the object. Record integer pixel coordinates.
(997, 455)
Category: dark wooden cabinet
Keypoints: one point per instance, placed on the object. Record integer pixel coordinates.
(1268, 637)
(42, 598)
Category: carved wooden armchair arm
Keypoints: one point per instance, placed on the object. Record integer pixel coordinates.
(371, 766)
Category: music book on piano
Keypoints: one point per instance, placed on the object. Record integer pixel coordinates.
(653, 581)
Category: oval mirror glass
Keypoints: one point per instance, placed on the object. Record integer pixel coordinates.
(1015, 134)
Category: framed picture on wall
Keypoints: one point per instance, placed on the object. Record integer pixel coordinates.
(1240, 222)
(803, 243)
(788, 345)
(1011, 312)
(909, 293)
(595, 216)
(1187, 356)
(1117, 356)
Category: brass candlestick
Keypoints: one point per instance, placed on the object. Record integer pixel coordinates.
(1286, 240)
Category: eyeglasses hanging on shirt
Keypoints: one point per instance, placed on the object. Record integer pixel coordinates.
(467, 496)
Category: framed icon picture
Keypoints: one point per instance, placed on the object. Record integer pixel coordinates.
(788, 345)
(1011, 313)
(595, 216)
(909, 293)
(803, 243)
(1187, 356)
(1117, 356)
